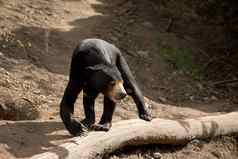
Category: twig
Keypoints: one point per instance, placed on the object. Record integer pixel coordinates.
(212, 60)
(225, 82)
(27, 100)
(128, 52)
(203, 52)
(171, 20)
(121, 3)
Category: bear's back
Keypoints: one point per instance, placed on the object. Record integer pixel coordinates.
(107, 50)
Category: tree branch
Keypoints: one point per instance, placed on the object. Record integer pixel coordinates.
(138, 132)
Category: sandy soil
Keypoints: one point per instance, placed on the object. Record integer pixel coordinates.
(36, 42)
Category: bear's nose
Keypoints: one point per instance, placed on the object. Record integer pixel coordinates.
(122, 95)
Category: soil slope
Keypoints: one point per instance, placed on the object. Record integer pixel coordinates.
(36, 42)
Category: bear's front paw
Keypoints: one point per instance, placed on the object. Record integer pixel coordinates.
(145, 116)
(101, 127)
(76, 128)
(87, 123)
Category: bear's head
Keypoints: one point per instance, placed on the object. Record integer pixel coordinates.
(106, 79)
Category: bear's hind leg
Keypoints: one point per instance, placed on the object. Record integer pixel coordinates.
(67, 107)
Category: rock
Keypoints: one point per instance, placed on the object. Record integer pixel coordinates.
(157, 155)
(192, 98)
(51, 118)
(20, 109)
(205, 98)
(144, 54)
(163, 99)
(4, 154)
(67, 11)
(6, 73)
(37, 91)
(131, 21)
(195, 142)
(113, 38)
(147, 24)
(200, 86)
(217, 154)
(187, 94)
(213, 98)
(148, 157)
(186, 152)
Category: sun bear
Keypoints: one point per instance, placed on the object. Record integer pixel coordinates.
(98, 67)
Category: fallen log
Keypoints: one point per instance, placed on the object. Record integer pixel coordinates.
(138, 132)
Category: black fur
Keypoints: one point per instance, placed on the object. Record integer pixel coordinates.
(94, 64)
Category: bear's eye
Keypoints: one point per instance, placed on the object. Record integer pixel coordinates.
(113, 83)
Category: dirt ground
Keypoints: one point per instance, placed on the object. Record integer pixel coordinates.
(36, 42)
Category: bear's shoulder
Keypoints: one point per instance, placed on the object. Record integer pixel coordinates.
(98, 44)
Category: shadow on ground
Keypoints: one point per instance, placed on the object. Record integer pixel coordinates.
(28, 138)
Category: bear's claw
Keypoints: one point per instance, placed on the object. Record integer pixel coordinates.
(146, 117)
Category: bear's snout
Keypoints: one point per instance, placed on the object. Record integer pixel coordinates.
(120, 92)
(122, 95)
(116, 91)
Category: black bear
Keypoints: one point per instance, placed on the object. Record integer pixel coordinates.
(98, 67)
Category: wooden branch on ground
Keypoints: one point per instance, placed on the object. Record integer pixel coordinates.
(138, 132)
